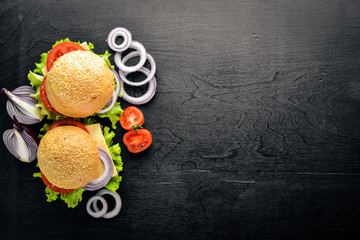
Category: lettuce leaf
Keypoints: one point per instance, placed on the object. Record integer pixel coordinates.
(115, 151)
(113, 114)
(43, 130)
(72, 199)
(51, 195)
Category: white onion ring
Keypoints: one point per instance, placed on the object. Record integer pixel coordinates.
(142, 52)
(152, 72)
(119, 32)
(115, 95)
(97, 213)
(118, 203)
(147, 96)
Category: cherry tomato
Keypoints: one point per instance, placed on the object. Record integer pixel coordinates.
(44, 98)
(68, 121)
(137, 141)
(53, 187)
(59, 50)
(132, 116)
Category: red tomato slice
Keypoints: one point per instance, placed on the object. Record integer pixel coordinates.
(59, 50)
(137, 141)
(44, 98)
(53, 187)
(132, 116)
(68, 121)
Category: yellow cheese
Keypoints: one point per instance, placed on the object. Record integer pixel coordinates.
(98, 137)
(85, 46)
(44, 71)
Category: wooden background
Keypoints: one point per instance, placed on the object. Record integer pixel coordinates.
(255, 122)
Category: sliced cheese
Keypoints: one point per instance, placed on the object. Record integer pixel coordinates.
(98, 137)
(44, 71)
(85, 46)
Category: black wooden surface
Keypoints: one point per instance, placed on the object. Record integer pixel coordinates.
(255, 121)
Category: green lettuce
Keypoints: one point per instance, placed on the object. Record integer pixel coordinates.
(113, 114)
(74, 198)
(115, 151)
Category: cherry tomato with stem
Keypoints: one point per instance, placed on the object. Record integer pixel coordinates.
(137, 141)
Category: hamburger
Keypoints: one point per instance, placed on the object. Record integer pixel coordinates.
(68, 156)
(77, 83)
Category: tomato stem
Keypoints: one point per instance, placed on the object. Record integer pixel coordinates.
(136, 127)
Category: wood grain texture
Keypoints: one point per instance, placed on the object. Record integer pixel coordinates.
(255, 122)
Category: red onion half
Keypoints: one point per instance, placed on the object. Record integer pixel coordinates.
(21, 142)
(22, 105)
(105, 178)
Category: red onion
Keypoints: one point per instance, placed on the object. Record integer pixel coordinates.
(116, 93)
(22, 105)
(97, 213)
(102, 213)
(147, 96)
(119, 32)
(142, 53)
(105, 178)
(149, 77)
(21, 142)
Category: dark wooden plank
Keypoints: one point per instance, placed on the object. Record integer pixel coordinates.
(255, 121)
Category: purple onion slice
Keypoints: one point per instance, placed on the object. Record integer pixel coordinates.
(105, 178)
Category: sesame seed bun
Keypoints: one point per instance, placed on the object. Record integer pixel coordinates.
(79, 84)
(68, 157)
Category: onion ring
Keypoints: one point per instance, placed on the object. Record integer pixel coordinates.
(147, 96)
(141, 49)
(115, 95)
(105, 178)
(97, 213)
(151, 74)
(119, 32)
(118, 203)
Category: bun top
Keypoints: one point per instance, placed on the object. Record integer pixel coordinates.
(79, 84)
(68, 157)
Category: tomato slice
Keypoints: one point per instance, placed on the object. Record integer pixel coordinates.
(44, 98)
(132, 116)
(53, 187)
(59, 50)
(137, 141)
(68, 121)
